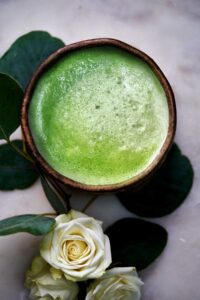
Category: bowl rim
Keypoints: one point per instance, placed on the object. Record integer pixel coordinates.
(135, 180)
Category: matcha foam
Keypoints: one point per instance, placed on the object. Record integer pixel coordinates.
(99, 115)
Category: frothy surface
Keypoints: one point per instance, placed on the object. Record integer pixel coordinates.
(99, 116)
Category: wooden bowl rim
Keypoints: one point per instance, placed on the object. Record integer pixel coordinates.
(134, 181)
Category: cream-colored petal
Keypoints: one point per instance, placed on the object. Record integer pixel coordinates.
(116, 284)
(77, 247)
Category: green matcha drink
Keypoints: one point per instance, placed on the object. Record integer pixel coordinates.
(99, 115)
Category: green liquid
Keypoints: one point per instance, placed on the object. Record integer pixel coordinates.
(99, 116)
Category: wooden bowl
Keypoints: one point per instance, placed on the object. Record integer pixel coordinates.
(137, 180)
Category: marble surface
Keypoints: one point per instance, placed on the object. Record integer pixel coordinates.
(169, 32)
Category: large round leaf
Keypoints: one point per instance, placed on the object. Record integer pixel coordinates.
(135, 242)
(27, 53)
(166, 190)
(15, 171)
(10, 102)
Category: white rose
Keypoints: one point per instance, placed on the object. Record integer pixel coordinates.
(47, 283)
(77, 246)
(116, 284)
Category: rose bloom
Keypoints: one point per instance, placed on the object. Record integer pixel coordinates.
(47, 283)
(116, 284)
(77, 246)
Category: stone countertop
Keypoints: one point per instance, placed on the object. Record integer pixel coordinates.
(168, 31)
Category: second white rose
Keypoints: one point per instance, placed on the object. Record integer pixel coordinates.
(77, 246)
(116, 284)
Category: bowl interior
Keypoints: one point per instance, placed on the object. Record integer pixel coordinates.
(136, 180)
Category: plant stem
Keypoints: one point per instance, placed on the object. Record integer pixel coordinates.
(48, 214)
(24, 155)
(89, 203)
(24, 145)
(20, 152)
(62, 193)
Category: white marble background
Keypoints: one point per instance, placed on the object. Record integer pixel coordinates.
(169, 32)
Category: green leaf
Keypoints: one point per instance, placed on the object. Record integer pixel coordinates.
(166, 191)
(15, 171)
(11, 96)
(27, 53)
(34, 224)
(135, 242)
(52, 197)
